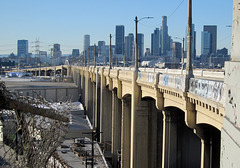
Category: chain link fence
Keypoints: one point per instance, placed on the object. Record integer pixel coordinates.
(30, 129)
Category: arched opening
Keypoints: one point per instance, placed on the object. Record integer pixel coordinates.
(116, 128)
(154, 127)
(211, 145)
(181, 147)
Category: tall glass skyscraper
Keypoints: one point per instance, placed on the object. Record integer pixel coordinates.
(129, 46)
(164, 36)
(119, 39)
(205, 42)
(86, 42)
(212, 29)
(140, 37)
(155, 43)
(22, 48)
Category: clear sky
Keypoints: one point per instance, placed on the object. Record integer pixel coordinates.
(66, 21)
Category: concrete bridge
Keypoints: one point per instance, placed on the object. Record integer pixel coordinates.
(165, 118)
(150, 118)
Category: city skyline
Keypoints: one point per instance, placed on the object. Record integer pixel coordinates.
(67, 22)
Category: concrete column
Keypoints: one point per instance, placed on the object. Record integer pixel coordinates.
(116, 127)
(68, 71)
(82, 87)
(169, 153)
(154, 135)
(97, 104)
(90, 101)
(142, 141)
(93, 103)
(126, 132)
(105, 114)
(136, 96)
(79, 83)
(210, 146)
(86, 87)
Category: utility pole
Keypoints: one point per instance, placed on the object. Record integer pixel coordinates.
(189, 71)
(37, 55)
(94, 55)
(88, 63)
(183, 54)
(136, 41)
(136, 44)
(110, 52)
(85, 58)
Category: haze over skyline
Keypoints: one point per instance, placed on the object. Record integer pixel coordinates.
(66, 21)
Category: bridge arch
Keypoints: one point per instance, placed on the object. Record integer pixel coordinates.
(181, 147)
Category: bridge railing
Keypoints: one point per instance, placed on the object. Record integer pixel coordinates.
(213, 90)
(201, 85)
(172, 81)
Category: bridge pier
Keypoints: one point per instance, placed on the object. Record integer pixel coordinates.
(105, 113)
(82, 88)
(116, 127)
(96, 117)
(126, 132)
(210, 146)
(181, 147)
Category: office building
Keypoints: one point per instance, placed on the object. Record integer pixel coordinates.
(86, 42)
(129, 47)
(22, 48)
(177, 51)
(205, 43)
(164, 36)
(75, 53)
(140, 39)
(155, 43)
(119, 39)
(147, 52)
(100, 48)
(212, 29)
(56, 52)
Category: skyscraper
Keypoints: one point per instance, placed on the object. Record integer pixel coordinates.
(22, 48)
(119, 40)
(140, 45)
(205, 42)
(164, 36)
(75, 53)
(56, 51)
(212, 29)
(155, 43)
(177, 52)
(129, 46)
(86, 42)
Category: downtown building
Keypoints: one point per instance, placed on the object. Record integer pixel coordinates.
(129, 47)
(212, 30)
(22, 48)
(119, 40)
(164, 37)
(86, 43)
(155, 43)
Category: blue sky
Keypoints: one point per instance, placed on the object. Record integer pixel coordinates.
(66, 21)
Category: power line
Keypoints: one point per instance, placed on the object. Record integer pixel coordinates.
(176, 9)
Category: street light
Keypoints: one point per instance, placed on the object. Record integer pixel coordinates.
(182, 51)
(110, 52)
(136, 42)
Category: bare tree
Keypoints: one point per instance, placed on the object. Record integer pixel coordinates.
(32, 128)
